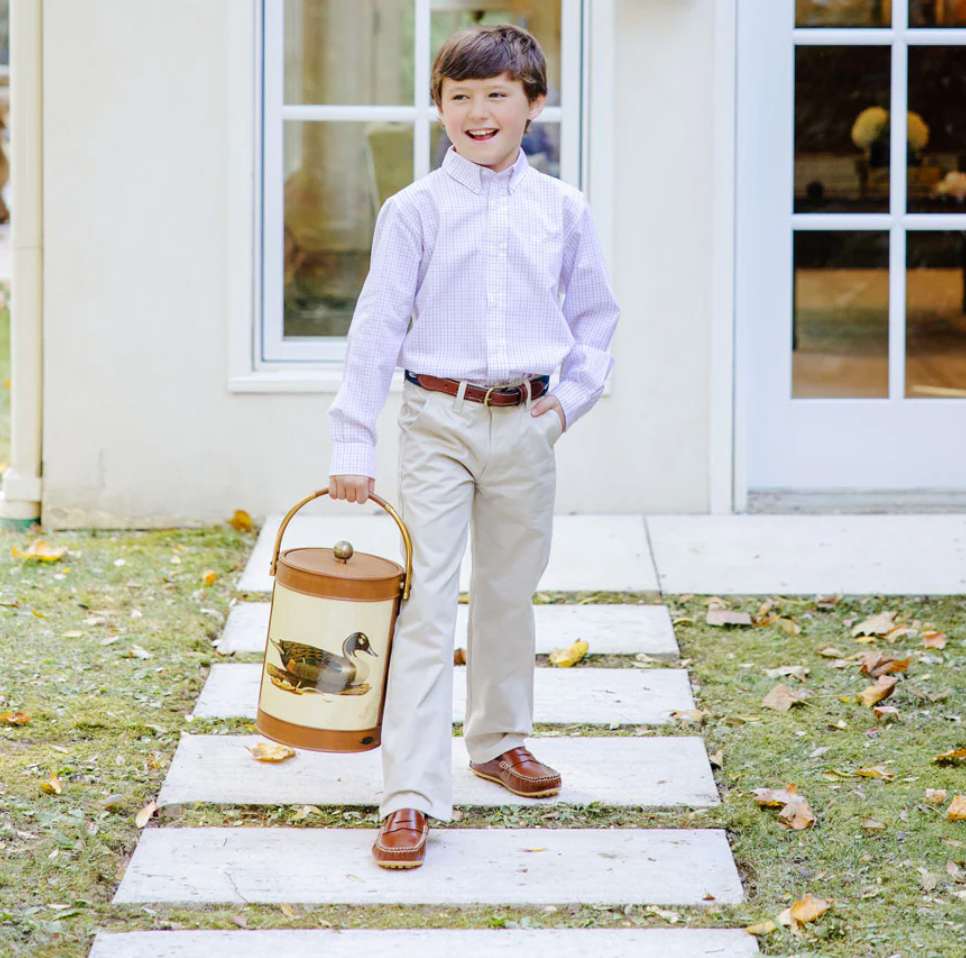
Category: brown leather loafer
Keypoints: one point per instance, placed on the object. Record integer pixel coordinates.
(401, 842)
(521, 773)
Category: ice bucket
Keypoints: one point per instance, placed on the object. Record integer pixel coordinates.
(329, 641)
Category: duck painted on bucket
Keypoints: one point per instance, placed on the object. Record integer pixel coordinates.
(327, 671)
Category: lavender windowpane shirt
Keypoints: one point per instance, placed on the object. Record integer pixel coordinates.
(477, 260)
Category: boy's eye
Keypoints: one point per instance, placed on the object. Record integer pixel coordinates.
(462, 96)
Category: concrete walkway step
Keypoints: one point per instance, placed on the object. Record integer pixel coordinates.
(807, 554)
(538, 866)
(598, 696)
(607, 629)
(654, 772)
(442, 943)
(593, 553)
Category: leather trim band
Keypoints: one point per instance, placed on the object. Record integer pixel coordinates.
(336, 587)
(316, 739)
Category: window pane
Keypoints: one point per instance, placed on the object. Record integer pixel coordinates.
(937, 13)
(936, 314)
(840, 335)
(841, 129)
(541, 144)
(541, 17)
(349, 54)
(937, 132)
(843, 13)
(337, 176)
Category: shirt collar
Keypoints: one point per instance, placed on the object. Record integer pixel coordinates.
(472, 175)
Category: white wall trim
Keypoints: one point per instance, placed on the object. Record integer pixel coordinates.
(722, 435)
(241, 185)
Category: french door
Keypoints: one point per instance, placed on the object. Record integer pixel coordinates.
(851, 244)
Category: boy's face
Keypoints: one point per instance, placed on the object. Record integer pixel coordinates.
(498, 104)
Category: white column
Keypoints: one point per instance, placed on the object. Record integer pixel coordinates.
(21, 494)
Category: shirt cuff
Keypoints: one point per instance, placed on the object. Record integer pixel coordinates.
(353, 459)
(572, 400)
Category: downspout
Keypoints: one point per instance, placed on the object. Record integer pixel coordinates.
(20, 497)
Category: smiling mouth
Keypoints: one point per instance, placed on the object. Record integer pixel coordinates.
(482, 136)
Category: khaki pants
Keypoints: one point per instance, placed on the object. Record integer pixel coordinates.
(494, 468)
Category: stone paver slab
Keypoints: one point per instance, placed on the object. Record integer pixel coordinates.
(653, 772)
(808, 554)
(464, 866)
(596, 696)
(442, 943)
(593, 553)
(608, 629)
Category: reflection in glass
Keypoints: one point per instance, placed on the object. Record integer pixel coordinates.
(541, 144)
(937, 93)
(841, 129)
(937, 13)
(840, 333)
(843, 13)
(337, 176)
(541, 17)
(349, 54)
(936, 314)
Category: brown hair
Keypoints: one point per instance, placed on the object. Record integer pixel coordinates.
(480, 53)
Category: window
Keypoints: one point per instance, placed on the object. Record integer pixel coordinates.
(347, 120)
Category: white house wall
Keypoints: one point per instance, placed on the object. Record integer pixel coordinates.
(140, 428)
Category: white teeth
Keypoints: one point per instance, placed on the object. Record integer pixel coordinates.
(479, 132)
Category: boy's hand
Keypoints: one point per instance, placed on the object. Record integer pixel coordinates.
(351, 488)
(546, 403)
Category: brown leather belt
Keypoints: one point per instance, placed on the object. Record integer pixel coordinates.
(494, 396)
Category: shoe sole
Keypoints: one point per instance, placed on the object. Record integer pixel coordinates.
(397, 865)
(490, 778)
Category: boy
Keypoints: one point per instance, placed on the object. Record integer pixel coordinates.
(476, 254)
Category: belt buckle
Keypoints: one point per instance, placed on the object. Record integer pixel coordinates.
(486, 398)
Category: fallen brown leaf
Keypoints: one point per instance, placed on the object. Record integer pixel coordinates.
(872, 825)
(146, 813)
(808, 909)
(15, 718)
(722, 617)
(875, 664)
(957, 809)
(788, 626)
(952, 756)
(887, 712)
(781, 698)
(287, 910)
(826, 651)
(935, 796)
(934, 640)
(265, 752)
(52, 786)
(459, 656)
(798, 671)
(241, 521)
(564, 658)
(878, 625)
(210, 577)
(38, 549)
(876, 693)
(876, 771)
(690, 716)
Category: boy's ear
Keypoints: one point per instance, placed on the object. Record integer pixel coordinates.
(536, 106)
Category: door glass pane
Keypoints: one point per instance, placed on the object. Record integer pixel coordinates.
(337, 176)
(541, 144)
(840, 333)
(541, 17)
(936, 314)
(843, 13)
(937, 13)
(937, 129)
(841, 129)
(349, 54)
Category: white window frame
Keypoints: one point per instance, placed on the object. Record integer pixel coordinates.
(311, 365)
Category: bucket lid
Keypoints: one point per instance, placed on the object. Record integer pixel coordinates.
(339, 572)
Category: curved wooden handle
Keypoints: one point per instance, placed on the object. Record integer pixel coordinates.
(382, 502)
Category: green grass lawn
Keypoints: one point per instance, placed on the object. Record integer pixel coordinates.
(108, 659)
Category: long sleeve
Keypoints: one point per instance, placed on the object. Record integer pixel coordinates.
(376, 333)
(592, 313)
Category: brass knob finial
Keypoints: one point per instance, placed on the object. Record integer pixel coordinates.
(343, 550)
